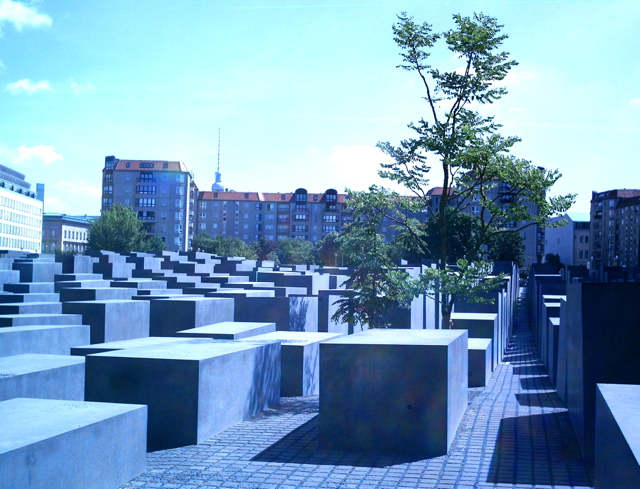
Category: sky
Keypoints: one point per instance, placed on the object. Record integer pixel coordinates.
(301, 90)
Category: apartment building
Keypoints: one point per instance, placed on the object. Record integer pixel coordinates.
(571, 242)
(161, 193)
(61, 232)
(20, 213)
(615, 223)
(252, 215)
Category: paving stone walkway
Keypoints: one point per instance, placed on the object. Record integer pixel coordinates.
(516, 433)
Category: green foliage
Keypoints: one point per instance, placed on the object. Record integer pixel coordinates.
(266, 249)
(222, 246)
(326, 251)
(507, 246)
(118, 229)
(375, 286)
(554, 261)
(295, 252)
(473, 156)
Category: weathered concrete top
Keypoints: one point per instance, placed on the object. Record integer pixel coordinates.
(435, 337)
(555, 321)
(623, 402)
(300, 338)
(34, 362)
(27, 421)
(479, 343)
(480, 316)
(227, 327)
(183, 350)
(553, 298)
(134, 343)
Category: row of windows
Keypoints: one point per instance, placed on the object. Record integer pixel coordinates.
(270, 227)
(20, 218)
(20, 231)
(273, 207)
(9, 203)
(19, 244)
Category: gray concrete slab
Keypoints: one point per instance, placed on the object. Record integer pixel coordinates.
(300, 360)
(480, 325)
(42, 376)
(617, 439)
(193, 390)
(168, 316)
(229, 330)
(58, 444)
(53, 340)
(402, 391)
(96, 294)
(87, 349)
(112, 320)
(31, 308)
(294, 313)
(30, 287)
(7, 320)
(479, 361)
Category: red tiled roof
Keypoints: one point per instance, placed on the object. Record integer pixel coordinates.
(158, 165)
(264, 197)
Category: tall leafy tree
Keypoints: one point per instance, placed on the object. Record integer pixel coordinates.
(507, 246)
(119, 229)
(222, 246)
(467, 146)
(295, 252)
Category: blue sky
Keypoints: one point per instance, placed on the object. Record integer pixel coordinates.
(301, 89)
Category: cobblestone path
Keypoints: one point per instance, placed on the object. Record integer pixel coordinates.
(516, 433)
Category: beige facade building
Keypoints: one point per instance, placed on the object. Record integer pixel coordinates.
(161, 193)
(252, 215)
(61, 232)
(571, 242)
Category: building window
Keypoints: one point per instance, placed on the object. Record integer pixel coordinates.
(145, 189)
(108, 177)
(271, 207)
(179, 203)
(299, 228)
(147, 215)
(258, 227)
(332, 198)
(165, 165)
(246, 216)
(301, 217)
(330, 219)
(107, 202)
(258, 217)
(203, 215)
(179, 178)
(127, 177)
(203, 225)
(328, 229)
(147, 165)
(107, 189)
(146, 176)
(475, 210)
(179, 216)
(179, 190)
(258, 207)
(203, 205)
(145, 202)
(283, 197)
(126, 201)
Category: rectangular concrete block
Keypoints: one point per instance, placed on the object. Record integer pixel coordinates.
(38, 271)
(479, 362)
(41, 376)
(193, 390)
(7, 320)
(480, 325)
(617, 443)
(168, 316)
(300, 360)
(228, 330)
(112, 320)
(58, 444)
(31, 308)
(11, 297)
(87, 349)
(96, 294)
(294, 313)
(52, 340)
(393, 390)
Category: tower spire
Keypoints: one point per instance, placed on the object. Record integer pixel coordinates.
(218, 186)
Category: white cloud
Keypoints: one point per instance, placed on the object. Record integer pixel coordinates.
(635, 101)
(55, 204)
(514, 77)
(77, 187)
(358, 167)
(517, 109)
(80, 88)
(40, 155)
(314, 150)
(27, 86)
(20, 15)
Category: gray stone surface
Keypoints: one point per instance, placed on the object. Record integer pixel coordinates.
(479, 361)
(58, 444)
(11, 297)
(327, 306)
(294, 313)
(229, 330)
(38, 319)
(31, 308)
(42, 376)
(300, 360)
(30, 287)
(193, 390)
(87, 349)
(480, 325)
(53, 340)
(393, 390)
(617, 441)
(37, 271)
(96, 294)
(168, 316)
(112, 320)
(602, 348)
